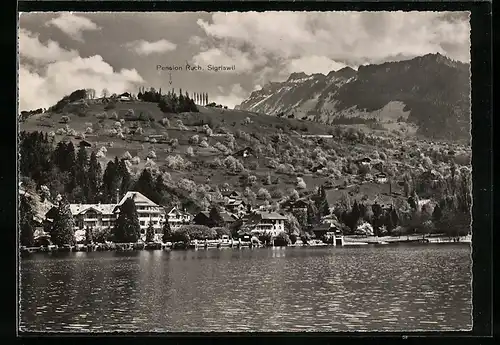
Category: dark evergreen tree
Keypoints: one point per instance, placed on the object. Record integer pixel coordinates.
(127, 228)
(167, 232)
(150, 232)
(94, 179)
(62, 231)
(124, 177)
(146, 186)
(215, 218)
(110, 182)
(160, 189)
(437, 213)
(312, 213)
(26, 223)
(81, 174)
(88, 236)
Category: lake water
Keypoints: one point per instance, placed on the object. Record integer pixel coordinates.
(384, 288)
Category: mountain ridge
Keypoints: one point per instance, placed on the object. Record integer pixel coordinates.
(431, 92)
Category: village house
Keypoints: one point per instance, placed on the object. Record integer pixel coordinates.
(177, 217)
(203, 218)
(381, 178)
(236, 206)
(93, 216)
(230, 194)
(260, 223)
(244, 153)
(295, 205)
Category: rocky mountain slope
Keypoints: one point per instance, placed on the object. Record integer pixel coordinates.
(431, 92)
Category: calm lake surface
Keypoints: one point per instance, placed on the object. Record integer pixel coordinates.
(384, 288)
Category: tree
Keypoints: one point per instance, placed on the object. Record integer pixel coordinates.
(150, 232)
(88, 236)
(146, 186)
(104, 93)
(110, 181)
(26, 223)
(167, 231)
(127, 227)
(62, 232)
(215, 218)
(94, 179)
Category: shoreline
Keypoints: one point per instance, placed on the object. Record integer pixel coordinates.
(348, 242)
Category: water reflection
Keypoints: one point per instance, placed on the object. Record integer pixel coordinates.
(395, 288)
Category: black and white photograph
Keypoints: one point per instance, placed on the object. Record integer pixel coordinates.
(274, 171)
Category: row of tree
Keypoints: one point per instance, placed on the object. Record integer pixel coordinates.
(171, 102)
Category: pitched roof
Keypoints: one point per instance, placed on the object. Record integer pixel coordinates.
(271, 215)
(138, 199)
(100, 208)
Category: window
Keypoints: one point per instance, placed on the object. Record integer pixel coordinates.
(143, 222)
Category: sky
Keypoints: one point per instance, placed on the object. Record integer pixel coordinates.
(60, 52)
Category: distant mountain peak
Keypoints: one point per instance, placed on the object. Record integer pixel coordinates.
(297, 75)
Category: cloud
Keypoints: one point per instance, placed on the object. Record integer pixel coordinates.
(314, 64)
(244, 62)
(351, 37)
(32, 49)
(42, 85)
(143, 47)
(73, 25)
(230, 97)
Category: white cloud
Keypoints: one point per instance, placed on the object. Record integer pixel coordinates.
(314, 64)
(32, 49)
(352, 37)
(73, 25)
(244, 62)
(234, 96)
(143, 47)
(41, 86)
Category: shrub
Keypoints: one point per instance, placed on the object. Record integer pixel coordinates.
(180, 125)
(277, 193)
(300, 183)
(139, 131)
(189, 152)
(64, 119)
(127, 156)
(113, 115)
(135, 161)
(176, 162)
(263, 194)
(109, 106)
(208, 131)
(194, 140)
(151, 154)
(101, 116)
(204, 144)
(165, 122)
(219, 146)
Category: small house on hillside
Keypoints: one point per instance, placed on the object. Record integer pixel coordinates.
(203, 218)
(84, 143)
(295, 205)
(231, 194)
(236, 206)
(244, 153)
(177, 217)
(318, 168)
(363, 161)
(259, 223)
(325, 229)
(125, 97)
(381, 178)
